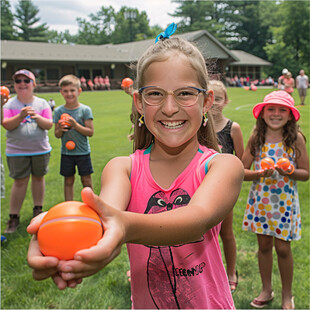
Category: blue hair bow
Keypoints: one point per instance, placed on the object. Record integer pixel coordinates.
(167, 33)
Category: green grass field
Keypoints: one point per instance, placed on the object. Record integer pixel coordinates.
(109, 288)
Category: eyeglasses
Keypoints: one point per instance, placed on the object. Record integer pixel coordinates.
(186, 96)
(18, 81)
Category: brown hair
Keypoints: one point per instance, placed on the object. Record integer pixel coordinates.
(70, 80)
(161, 51)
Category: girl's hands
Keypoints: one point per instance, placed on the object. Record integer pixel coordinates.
(265, 173)
(25, 111)
(287, 172)
(86, 262)
(43, 266)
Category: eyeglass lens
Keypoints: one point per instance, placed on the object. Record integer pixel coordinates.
(184, 96)
(18, 81)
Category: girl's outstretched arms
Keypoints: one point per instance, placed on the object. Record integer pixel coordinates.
(116, 190)
(207, 207)
(212, 201)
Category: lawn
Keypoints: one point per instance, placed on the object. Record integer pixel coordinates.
(109, 288)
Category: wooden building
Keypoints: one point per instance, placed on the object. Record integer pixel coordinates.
(49, 62)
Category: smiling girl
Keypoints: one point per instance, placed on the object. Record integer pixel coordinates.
(163, 200)
(272, 211)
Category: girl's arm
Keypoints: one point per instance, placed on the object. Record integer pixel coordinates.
(116, 191)
(252, 175)
(10, 123)
(43, 123)
(206, 209)
(301, 172)
(236, 135)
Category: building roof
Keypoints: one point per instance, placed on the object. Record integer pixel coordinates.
(246, 59)
(117, 53)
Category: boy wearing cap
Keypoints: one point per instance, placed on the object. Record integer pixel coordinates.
(27, 119)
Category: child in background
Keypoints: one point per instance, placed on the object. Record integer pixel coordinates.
(272, 210)
(27, 118)
(175, 258)
(81, 127)
(230, 141)
(289, 83)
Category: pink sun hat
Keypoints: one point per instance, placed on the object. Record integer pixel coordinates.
(277, 97)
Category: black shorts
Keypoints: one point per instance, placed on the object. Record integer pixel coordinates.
(68, 163)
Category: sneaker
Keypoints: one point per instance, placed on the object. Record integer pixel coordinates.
(12, 225)
(36, 211)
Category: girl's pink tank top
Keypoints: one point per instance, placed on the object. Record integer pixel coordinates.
(184, 276)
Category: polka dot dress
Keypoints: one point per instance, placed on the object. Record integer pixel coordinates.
(273, 204)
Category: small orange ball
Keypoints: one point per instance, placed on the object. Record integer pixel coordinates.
(70, 145)
(5, 91)
(65, 117)
(267, 163)
(284, 163)
(127, 82)
(67, 228)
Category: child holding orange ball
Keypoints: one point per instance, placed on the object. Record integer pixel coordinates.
(162, 200)
(74, 124)
(272, 210)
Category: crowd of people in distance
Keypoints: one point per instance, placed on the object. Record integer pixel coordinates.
(247, 81)
(99, 83)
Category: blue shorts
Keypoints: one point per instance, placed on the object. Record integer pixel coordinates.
(68, 163)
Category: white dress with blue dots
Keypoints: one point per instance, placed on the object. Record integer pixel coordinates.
(273, 204)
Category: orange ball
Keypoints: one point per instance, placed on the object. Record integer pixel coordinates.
(267, 163)
(5, 91)
(127, 82)
(67, 228)
(65, 117)
(70, 145)
(284, 163)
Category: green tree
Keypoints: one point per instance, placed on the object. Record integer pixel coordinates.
(99, 29)
(130, 25)
(65, 37)
(290, 46)
(237, 24)
(246, 28)
(199, 15)
(27, 22)
(7, 21)
(108, 26)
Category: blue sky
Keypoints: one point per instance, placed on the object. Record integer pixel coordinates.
(61, 14)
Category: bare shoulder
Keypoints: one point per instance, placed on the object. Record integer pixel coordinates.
(226, 163)
(120, 163)
(235, 127)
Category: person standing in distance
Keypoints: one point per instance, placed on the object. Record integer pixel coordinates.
(302, 84)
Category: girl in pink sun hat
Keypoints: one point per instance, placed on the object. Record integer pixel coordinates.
(278, 98)
(272, 209)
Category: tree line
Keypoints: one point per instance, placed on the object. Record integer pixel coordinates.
(277, 31)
